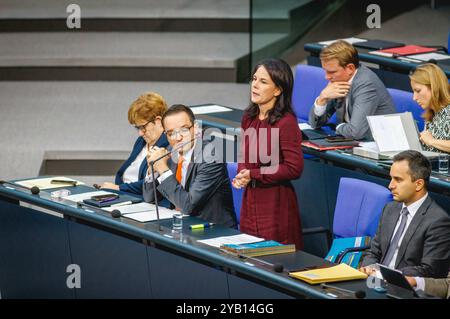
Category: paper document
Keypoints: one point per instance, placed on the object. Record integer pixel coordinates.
(45, 183)
(304, 126)
(386, 54)
(209, 109)
(431, 55)
(236, 240)
(349, 40)
(371, 146)
(341, 272)
(389, 133)
(149, 216)
(133, 208)
(80, 197)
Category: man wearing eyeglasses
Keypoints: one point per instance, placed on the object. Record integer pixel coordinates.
(194, 182)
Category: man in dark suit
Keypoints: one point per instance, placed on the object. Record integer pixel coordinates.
(193, 180)
(353, 93)
(413, 235)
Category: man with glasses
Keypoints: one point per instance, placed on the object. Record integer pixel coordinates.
(194, 182)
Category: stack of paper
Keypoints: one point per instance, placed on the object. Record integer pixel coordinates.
(236, 239)
(341, 272)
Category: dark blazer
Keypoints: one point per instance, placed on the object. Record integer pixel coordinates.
(367, 96)
(136, 187)
(425, 248)
(207, 191)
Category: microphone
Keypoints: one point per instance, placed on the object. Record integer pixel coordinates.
(116, 213)
(359, 294)
(152, 169)
(278, 267)
(34, 190)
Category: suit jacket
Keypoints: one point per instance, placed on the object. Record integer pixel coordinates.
(367, 96)
(207, 190)
(425, 248)
(136, 187)
(438, 287)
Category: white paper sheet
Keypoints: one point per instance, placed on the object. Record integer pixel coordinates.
(149, 216)
(209, 109)
(389, 133)
(304, 126)
(236, 240)
(349, 40)
(428, 56)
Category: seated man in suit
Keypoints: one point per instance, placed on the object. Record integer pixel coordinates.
(413, 235)
(436, 287)
(353, 93)
(198, 184)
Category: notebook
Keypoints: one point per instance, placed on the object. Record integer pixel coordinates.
(407, 50)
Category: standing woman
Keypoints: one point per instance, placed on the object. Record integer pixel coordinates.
(145, 114)
(432, 92)
(269, 126)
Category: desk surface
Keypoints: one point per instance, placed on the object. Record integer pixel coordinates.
(186, 243)
(364, 55)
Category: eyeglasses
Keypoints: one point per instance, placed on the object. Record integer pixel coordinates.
(142, 127)
(184, 131)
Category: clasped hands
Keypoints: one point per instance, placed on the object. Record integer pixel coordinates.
(241, 179)
(155, 152)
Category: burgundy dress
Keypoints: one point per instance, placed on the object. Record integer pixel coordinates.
(269, 205)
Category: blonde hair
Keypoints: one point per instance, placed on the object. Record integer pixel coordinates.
(341, 50)
(147, 107)
(434, 78)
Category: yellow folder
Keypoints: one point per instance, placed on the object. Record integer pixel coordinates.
(341, 272)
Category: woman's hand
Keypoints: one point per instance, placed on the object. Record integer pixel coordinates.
(427, 138)
(241, 179)
(110, 186)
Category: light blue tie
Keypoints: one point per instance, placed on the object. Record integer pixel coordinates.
(398, 234)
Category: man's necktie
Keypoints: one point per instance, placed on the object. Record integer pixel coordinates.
(397, 236)
(179, 174)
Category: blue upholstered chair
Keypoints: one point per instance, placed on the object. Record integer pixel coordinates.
(237, 193)
(403, 102)
(358, 209)
(309, 82)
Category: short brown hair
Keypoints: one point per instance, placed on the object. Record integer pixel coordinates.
(434, 78)
(179, 108)
(341, 50)
(147, 107)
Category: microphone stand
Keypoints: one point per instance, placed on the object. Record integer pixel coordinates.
(152, 169)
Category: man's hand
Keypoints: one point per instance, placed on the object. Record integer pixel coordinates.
(154, 153)
(368, 270)
(333, 90)
(110, 186)
(241, 179)
(411, 281)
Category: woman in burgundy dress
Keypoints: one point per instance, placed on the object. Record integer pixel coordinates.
(272, 157)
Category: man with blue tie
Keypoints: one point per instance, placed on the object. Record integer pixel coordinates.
(413, 235)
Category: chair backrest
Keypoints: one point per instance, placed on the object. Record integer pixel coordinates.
(403, 102)
(309, 82)
(358, 207)
(237, 193)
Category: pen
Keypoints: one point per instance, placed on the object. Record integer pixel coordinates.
(201, 226)
(122, 204)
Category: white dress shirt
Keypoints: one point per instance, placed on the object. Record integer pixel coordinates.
(412, 210)
(131, 174)
(185, 164)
